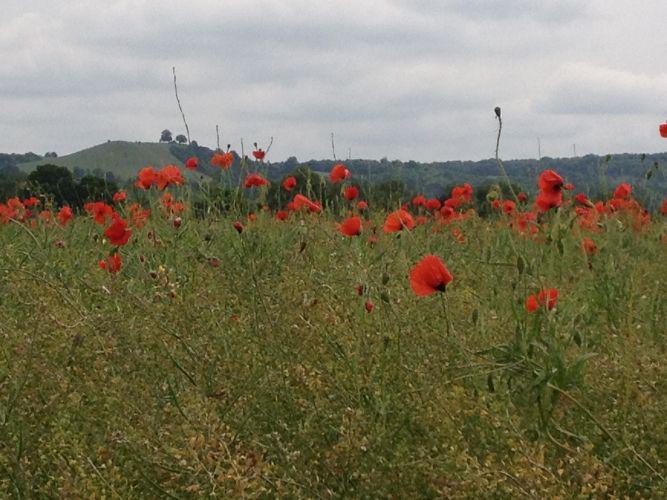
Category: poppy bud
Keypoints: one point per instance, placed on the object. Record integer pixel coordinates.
(369, 305)
(497, 111)
(177, 222)
(238, 226)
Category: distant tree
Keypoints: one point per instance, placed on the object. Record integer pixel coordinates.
(93, 188)
(166, 136)
(99, 173)
(54, 181)
(291, 163)
(181, 139)
(78, 173)
(51, 154)
(194, 144)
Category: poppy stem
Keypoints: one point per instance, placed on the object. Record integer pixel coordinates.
(443, 301)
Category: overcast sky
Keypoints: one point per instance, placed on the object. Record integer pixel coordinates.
(405, 79)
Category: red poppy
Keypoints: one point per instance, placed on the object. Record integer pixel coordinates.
(146, 178)
(223, 160)
(255, 180)
(351, 227)
(495, 204)
(531, 303)
(550, 181)
(282, 215)
(546, 200)
(64, 215)
(192, 163)
(362, 205)
(259, 154)
(169, 175)
(351, 193)
(419, 201)
(522, 197)
(397, 221)
(369, 305)
(31, 202)
(433, 204)
(117, 232)
(112, 264)
(544, 298)
(569, 186)
(464, 193)
(138, 215)
(45, 215)
(623, 191)
(581, 198)
(119, 196)
(429, 275)
(663, 209)
(289, 183)
(339, 173)
(663, 130)
(589, 246)
(509, 207)
(238, 226)
(99, 211)
(301, 201)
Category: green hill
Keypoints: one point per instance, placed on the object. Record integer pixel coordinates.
(124, 159)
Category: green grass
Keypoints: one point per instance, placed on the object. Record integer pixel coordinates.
(122, 158)
(266, 377)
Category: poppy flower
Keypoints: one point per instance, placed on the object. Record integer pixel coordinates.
(509, 207)
(45, 215)
(397, 221)
(259, 154)
(255, 180)
(146, 177)
(362, 205)
(622, 191)
(429, 275)
(289, 183)
(238, 226)
(119, 196)
(369, 306)
(117, 232)
(419, 201)
(339, 173)
(544, 298)
(663, 208)
(301, 201)
(351, 227)
(351, 193)
(169, 175)
(31, 202)
(192, 163)
(663, 130)
(433, 204)
(549, 181)
(223, 160)
(99, 211)
(495, 204)
(569, 186)
(112, 263)
(64, 215)
(138, 215)
(546, 200)
(522, 197)
(282, 215)
(581, 198)
(589, 246)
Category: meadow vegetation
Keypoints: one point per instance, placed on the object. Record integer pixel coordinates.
(232, 350)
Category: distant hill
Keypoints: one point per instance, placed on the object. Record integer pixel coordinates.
(123, 159)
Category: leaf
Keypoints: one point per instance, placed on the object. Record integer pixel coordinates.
(520, 264)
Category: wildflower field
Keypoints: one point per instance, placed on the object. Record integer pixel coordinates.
(149, 349)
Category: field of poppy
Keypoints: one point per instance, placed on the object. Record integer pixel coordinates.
(151, 349)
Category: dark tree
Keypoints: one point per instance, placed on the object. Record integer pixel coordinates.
(56, 182)
(166, 136)
(51, 154)
(92, 188)
(181, 139)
